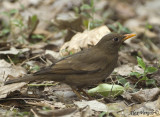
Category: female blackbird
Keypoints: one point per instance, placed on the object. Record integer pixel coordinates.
(84, 68)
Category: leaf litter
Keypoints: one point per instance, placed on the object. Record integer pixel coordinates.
(35, 34)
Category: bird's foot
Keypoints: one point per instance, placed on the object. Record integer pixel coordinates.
(80, 96)
(84, 93)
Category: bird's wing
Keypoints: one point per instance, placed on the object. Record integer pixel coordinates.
(75, 64)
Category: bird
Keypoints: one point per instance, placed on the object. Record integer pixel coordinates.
(87, 67)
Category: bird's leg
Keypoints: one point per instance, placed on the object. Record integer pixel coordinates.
(77, 93)
(90, 98)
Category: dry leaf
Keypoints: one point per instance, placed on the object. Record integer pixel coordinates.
(6, 69)
(84, 40)
(125, 70)
(145, 95)
(54, 113)
(7, 89)
(94, 105)
(14, 51)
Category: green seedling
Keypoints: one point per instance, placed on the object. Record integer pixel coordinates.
(38, 37)
(119, 28)
(143, 76)
(103, 114)
(18, 28)
(124, 82)
(35, 68)
(88, 11)
(4, 32)
(10, 13)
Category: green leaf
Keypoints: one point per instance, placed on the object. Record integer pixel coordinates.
(86, 23)
(37, 36)
(138, 75)
(103, 114)
(34, 19)
(113, 27)
(92, 3)
(150, 82)
(144, 78)
(149, 26)
(121, 28)
(85, 7)
(127, 85)
(151, 69)
(17, 22)
(107, 90)
(13, 11)
(121, 80)
(76, 9)
(36, 68)
(4, 32)
(141, 62)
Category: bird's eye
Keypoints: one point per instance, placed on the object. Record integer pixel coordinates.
(116, 39)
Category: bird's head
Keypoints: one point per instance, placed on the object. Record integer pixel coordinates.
(112, 42)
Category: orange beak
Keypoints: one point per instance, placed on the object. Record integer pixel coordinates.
(127, 36)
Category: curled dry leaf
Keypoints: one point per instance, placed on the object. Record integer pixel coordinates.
(84, 40)
(94, 105)
(54, 113)
(142, 95)
(7, 69)
(7, 89)
(145, 95)
(14, 51)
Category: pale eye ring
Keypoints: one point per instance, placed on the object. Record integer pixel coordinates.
(116, 39)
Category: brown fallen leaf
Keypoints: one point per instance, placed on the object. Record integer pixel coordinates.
(94, 105)
(145, 95)
(142, 95)
(53, 113)
(84, 40)
(7, 89)
(6, 69)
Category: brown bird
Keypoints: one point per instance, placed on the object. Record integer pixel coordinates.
(84, 68)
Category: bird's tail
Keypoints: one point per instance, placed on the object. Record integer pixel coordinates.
(26, 78)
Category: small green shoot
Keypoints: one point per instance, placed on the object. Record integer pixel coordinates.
(124, 83)
(143, 76)
(88, 11)
(4, 32)
(38, 36)
(46, 108)
(119, 28)
(10, 13)
(148, 26)
(35, 68)
(103, 114)
(121, 80)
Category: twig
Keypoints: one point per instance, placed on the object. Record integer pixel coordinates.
(30, 59)
(11, 60)
(38, 85)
